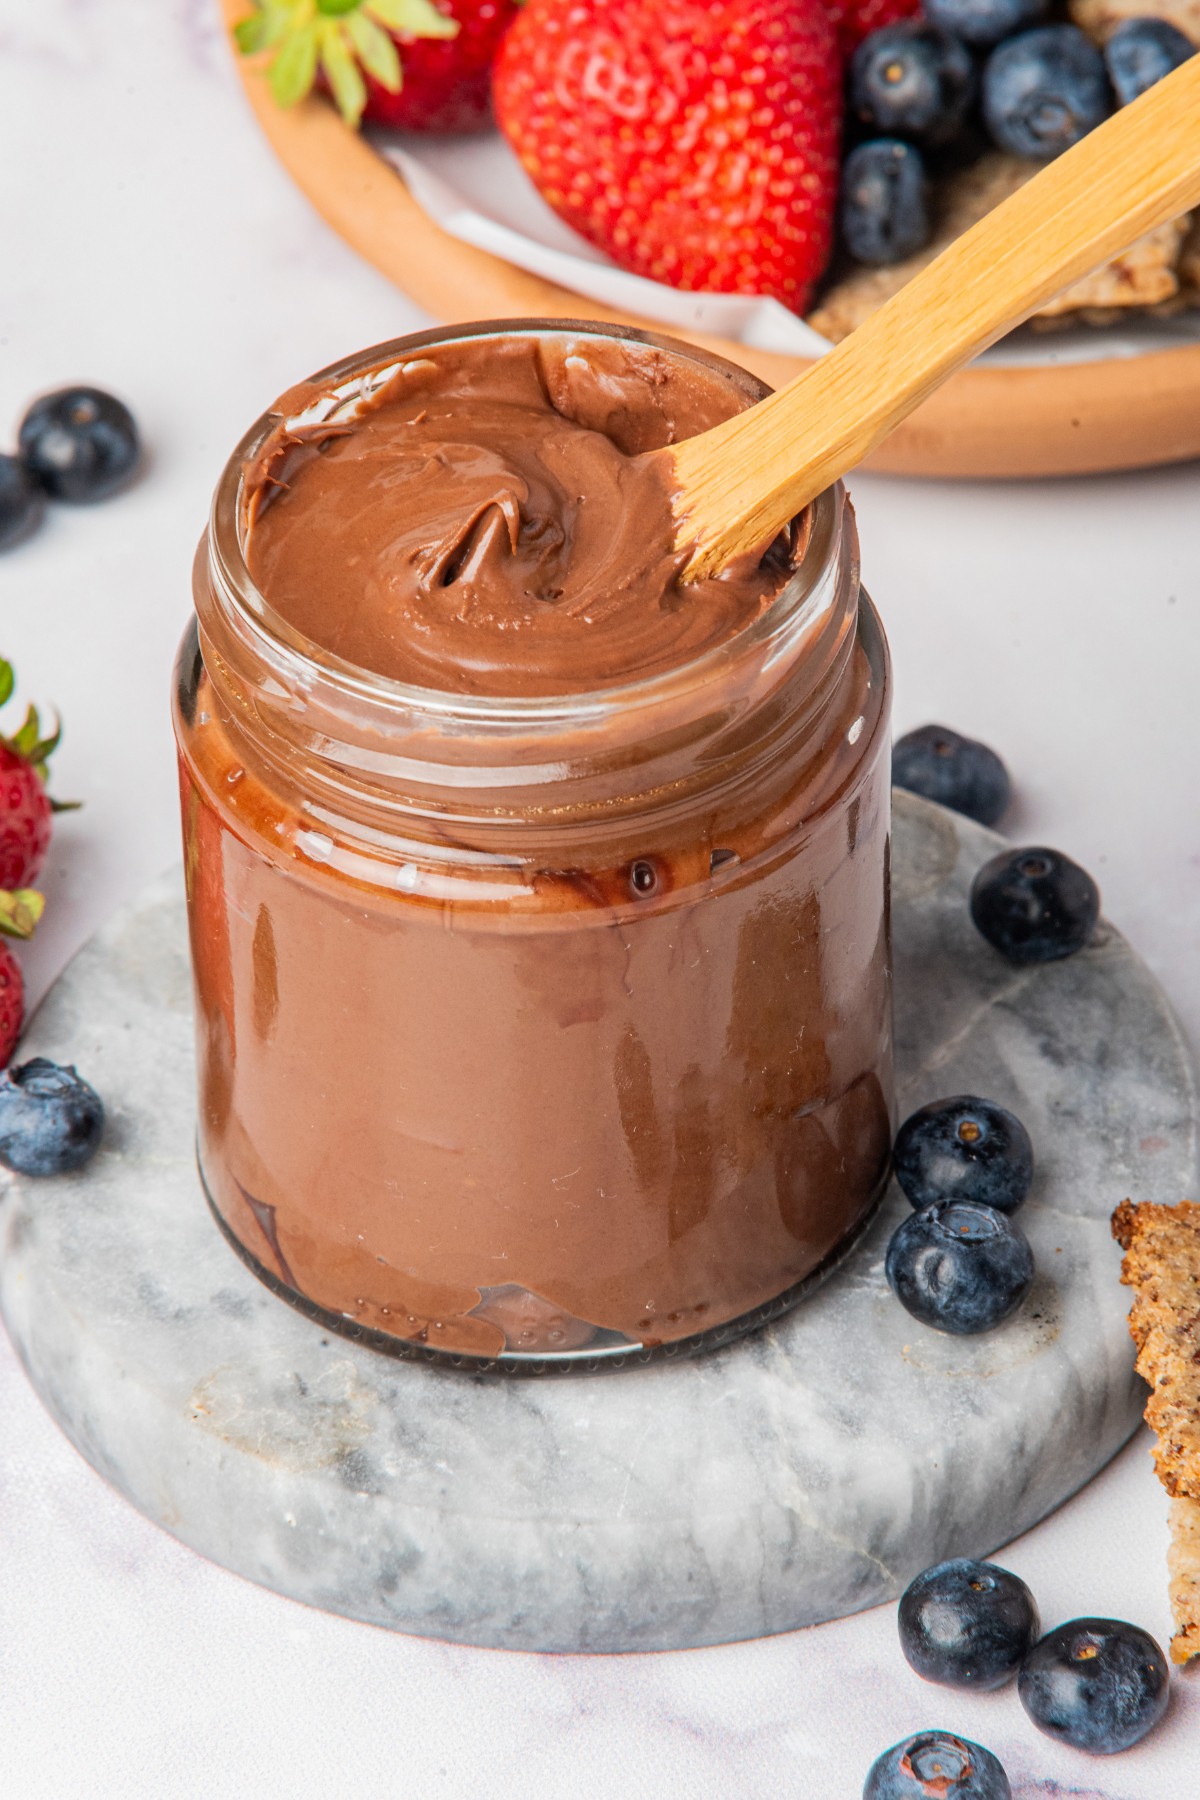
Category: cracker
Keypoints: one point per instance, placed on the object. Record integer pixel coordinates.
(1144, 275)
(1183, 1572)
(1162, 1266)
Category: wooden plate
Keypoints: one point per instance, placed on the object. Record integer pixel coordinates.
(1067, 419)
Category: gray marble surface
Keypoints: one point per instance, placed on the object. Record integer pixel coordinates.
(799, 1475)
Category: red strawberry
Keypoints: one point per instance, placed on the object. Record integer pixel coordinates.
(696, 141)
(12, 1004)
(856, 19)
(19, 913)
(25, 806)
(24, 819)
(352, 47)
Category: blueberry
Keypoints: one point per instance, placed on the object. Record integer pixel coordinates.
(964, 1149)
(935, 1765)
(985, 22)
(884, 202)
(959, 1267)
(79, 443)
(1098, 1684)
(20, 501)
(955, 771)
(1034, 905)
(1140, 52)
(50, 1119)
(913, 81)
(967, 1624)
(1044, 90)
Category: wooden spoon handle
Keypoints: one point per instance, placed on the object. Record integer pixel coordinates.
(738, 484)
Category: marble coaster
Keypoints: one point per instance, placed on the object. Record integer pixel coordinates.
(797, 1475)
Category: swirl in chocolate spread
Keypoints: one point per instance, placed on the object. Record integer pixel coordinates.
(487, 524)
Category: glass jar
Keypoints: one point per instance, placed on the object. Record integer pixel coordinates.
(543, 1032)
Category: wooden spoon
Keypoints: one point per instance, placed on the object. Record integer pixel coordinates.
(737, 485)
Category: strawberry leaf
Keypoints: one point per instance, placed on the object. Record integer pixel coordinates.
(45, 748)
(20, 911)
(282, 15)
(349, 88)
(295, 66)
(376, 51)
(25, 740)
(268, 24)
(7, 681)
(413, 18)
(250, 35)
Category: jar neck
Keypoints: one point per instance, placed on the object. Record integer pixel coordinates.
(356, 746)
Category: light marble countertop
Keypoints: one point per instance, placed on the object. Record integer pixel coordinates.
(149, 243)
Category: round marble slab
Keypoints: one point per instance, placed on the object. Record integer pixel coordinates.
(798, 1475)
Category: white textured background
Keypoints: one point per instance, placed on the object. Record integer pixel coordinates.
(149, 243)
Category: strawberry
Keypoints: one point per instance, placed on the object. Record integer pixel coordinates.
(353, 47)
(19, 913)
(25, 806)
(696, 141)
(12, 1004)
(857, 19)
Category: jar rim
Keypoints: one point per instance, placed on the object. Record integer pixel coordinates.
(782, 624)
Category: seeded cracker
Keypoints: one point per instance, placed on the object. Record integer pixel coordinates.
(1162, 1266)
(1183, 1570)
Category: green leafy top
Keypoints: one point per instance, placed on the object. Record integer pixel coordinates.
(27, 741)
(20, 910)
(341, 38)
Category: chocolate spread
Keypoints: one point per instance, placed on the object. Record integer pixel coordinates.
(577, 1077)
(487, 525)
